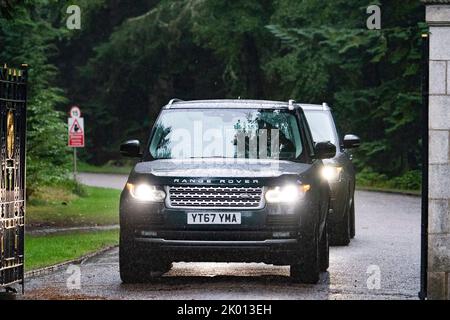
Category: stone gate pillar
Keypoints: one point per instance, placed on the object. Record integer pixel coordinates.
(438, 19)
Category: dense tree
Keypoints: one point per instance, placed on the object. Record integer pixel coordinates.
(371, 77)
(234, 30)
(147, 60)
(131, 57)
(27, 36)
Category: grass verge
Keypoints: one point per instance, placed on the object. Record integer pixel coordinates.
(57, 207)
(107, 168)
(43, 251)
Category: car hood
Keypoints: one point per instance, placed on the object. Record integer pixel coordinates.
(232, 168)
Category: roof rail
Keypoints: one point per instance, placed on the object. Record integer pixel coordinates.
(291, 104)
(174, 100)
(325, 106)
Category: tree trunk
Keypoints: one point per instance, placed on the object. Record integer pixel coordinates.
(250, 68)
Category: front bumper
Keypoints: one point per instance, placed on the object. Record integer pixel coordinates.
(262, 236)
(163, 243)
(274, 251)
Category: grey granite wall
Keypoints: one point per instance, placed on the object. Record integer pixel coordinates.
(438, 18)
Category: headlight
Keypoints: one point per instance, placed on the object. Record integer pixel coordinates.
(331, 173)
(287, 194)
(145, 192)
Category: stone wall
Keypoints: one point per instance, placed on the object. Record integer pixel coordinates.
(438, 18)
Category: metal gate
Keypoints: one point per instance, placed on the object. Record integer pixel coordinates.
(13, 100)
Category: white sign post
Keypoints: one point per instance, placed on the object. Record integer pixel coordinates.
(76, 134)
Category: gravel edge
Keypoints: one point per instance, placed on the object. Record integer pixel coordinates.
(52, 230)
(401, 193)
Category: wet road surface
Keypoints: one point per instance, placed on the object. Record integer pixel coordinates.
(387, 243)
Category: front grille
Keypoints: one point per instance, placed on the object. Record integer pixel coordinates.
(215, 197)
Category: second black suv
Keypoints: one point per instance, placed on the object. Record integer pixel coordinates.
(339, 171)
(226, 180)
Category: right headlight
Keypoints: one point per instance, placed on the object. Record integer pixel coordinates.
(332, 173)
(146, 192)
(286, 194)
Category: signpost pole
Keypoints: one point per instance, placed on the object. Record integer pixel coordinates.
(75, 164)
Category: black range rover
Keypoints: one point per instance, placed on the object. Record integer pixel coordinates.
(226, 180)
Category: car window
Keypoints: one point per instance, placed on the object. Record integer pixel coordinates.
(322, 126)
(308, 135)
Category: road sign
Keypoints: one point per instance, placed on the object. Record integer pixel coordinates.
(75, 112)
(76, 132)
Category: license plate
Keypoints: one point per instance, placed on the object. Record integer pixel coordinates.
(214, 218)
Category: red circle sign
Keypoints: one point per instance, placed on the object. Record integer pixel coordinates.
(75, 112)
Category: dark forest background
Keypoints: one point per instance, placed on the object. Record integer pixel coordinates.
(131, 57)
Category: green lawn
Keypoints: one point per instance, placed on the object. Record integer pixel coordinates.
(107, 168)
(54, 207)
(42, 251)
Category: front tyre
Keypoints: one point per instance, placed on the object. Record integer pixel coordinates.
(324, 251)
(352, 220)
(340, 231)
(136, 266)
(307, 267)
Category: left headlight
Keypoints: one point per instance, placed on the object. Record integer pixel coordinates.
(287, 194)
(332, 173)
(146, 192)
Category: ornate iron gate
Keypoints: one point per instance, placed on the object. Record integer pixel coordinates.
(13, 100)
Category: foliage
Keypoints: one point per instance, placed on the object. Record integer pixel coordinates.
(161, 62)
(371, 78)
(29, 38)
(276, 49)
(128, 61)
(410, 181)
(234, 30)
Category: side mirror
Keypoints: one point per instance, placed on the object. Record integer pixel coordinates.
(325, 150)
(351, 141)
(131, 148)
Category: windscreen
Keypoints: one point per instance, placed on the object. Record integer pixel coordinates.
(227, 133)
